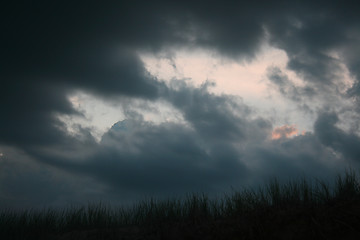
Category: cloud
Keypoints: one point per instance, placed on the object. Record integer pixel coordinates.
(284, 132)
(26, 183)
(216, 117)
(292, 158)
(51, 49)
(340, 141)
(318, 38)
(28, 112)
(287, 88)
(169, 152)
(204, 154)
(220, 145)
(145, 158)
(94, 47)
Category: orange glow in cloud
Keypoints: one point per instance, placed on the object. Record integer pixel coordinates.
(285, 131)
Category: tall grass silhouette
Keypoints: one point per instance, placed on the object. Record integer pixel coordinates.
(295, 210)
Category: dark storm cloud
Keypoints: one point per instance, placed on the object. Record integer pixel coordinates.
(27, 112)
(213, 116)
(94, 47)
(310, 32)
(80, 43)
(52, 48)
(164, 159)
(26, 183)
(139, 156)
(340, 141)
(58, 39)
(223, 117)
(287, 88)
(136, 158)
(293, 158)
(28, 187)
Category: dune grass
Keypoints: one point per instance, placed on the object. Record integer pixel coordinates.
(295, 210)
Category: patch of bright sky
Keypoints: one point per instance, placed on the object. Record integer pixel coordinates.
(99, 115)
(245, 79)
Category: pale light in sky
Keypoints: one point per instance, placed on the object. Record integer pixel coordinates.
(99, 115)
(247, 80)
(238, 78)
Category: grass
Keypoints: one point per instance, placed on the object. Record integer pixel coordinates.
(295, 210)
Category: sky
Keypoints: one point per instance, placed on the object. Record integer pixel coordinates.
(118, 101)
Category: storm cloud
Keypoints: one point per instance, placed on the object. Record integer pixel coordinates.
(51, 50)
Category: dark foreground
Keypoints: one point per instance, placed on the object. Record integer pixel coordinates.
(297, 210)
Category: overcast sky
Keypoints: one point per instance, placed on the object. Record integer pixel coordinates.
(120, 101)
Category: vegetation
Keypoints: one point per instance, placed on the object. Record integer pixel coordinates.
(296, 210)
